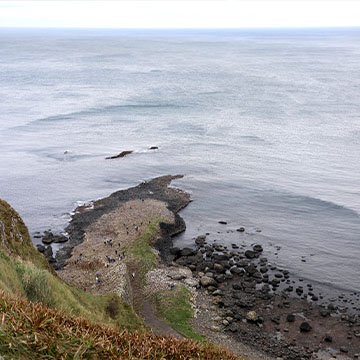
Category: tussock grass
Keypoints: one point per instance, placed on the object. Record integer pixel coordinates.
(33, 331)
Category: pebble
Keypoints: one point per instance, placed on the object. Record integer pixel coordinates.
(215, 328)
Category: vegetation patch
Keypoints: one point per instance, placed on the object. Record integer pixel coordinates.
(174, 306)
(33, 331)
(142, 251)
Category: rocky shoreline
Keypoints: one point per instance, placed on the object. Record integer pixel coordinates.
(252, 298)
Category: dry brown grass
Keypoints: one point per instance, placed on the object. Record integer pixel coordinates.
(32, 331)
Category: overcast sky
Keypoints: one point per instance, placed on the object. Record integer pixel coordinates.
(180, 13)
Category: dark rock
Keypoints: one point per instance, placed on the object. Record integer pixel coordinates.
(236, 270)
(241, 229)
(328, 338)
(305, 327)
(60, 239)
(153, 148)
(220, 257)
(251, 269)
(187, 252)
(324, 312)
(233, 329)
(237, 286)
(222, 222)
(122, 154)
(175, 251)
(48, 252)
(40, 248)
(200, 240)
(257, 248)
(219, 268)
(290, 318)
(249, 254)
(220, 278)
(344, 349)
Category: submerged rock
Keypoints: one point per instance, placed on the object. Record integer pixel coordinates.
(122, 154)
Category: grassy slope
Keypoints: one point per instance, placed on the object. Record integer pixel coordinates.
(41, 317)
(32, 331)
(25, 273)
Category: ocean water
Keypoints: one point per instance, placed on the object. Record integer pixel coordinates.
(265, 126)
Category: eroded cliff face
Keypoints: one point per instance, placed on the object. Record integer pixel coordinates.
(15, 239)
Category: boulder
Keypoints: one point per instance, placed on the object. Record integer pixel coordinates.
(257, 248)
(206, 281)
(200, 240)
(241, 229)
(249, 254)
(187, 252)
(219, 268)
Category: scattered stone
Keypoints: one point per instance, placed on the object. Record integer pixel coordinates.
(208, 281)
(241, 229)
(328, 338)
(305, 327)
(290, 318)
(153, 148)
(191, 282)
(200, 240)
(187, 252)
(249, 254)
(252, 316)
(215, 328)
(222, 222)
(344, 349)
(258, 248)
(40, 248)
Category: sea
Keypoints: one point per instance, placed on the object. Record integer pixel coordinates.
(263, 124)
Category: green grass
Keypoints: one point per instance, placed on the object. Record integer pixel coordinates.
(23, 279)
(17, 240)
(174, 306)
(141, 249)
(25, 273)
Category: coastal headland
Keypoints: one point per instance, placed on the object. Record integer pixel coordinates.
(123, 244)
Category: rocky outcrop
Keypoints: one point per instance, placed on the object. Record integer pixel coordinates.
(122, 154)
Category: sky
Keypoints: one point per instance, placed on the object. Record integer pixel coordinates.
(180, 13)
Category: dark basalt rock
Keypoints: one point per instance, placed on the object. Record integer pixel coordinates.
(122, 154)
(153, 148)
(290, 318)
(49, 238)
(175, 251)
(200, 240)
(222, 222)
(305, 327)
(249, 254)
(328, 338)
(257, 248)
(40, 248)
(241, 229)
(187, 252)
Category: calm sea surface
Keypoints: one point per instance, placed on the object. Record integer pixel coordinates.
(265, 126)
